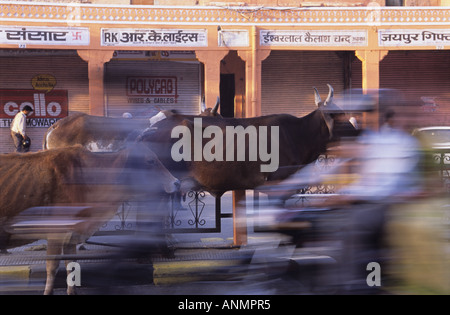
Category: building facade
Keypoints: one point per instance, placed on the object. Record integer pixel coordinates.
(260, 57)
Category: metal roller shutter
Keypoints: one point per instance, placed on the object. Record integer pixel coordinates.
(423, 77)
(288, 78)
(18, 67)
(141, 87)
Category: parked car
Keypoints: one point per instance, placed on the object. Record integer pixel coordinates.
(438, 137)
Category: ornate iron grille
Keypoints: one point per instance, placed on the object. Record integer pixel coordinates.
(442, 159)
(196, 215)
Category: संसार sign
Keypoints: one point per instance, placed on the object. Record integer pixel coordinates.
(38, 35)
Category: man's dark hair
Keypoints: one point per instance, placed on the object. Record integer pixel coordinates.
(27, 108)
(389, 114)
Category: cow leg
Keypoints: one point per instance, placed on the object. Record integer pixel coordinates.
(4, 239)
(70, 249)
(54, 247)
(239, 218)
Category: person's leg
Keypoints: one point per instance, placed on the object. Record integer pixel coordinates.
(363, 241)
(17, 139)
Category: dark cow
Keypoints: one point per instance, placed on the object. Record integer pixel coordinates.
(300, 141)
(175, 115)
(204, 111)
(73, 176)
(213, 112)
(107, 134)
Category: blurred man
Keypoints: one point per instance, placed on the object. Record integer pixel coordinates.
(18, 130)
(386, 162)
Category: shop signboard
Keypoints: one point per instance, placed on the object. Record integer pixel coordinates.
(154, 37)
(420, 37)
(313, 38)
(40, 35)
(48, 107)
(152, 90)
(233, 38)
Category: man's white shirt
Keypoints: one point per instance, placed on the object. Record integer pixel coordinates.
(19, 123)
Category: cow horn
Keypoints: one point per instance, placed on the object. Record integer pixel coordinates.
(317, 98)
(216, 107)
(329, 99)
(203, 104)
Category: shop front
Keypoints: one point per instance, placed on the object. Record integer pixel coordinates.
(288, 78)
(111, 60)
(422, 79)
(53, 82)
(144, 82)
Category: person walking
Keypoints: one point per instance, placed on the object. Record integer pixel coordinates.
(18, 130)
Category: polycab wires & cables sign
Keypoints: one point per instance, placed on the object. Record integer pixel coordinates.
(152, 90)
(47, 107)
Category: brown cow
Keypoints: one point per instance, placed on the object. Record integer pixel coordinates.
(73, 176)
(107, 134)
(96, 133)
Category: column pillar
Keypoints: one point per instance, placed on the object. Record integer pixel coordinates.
(96, 60)
(253, 70)
(211, 60)
(371, 69)
(252, 107)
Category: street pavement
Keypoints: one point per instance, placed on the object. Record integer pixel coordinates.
(201, 264)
